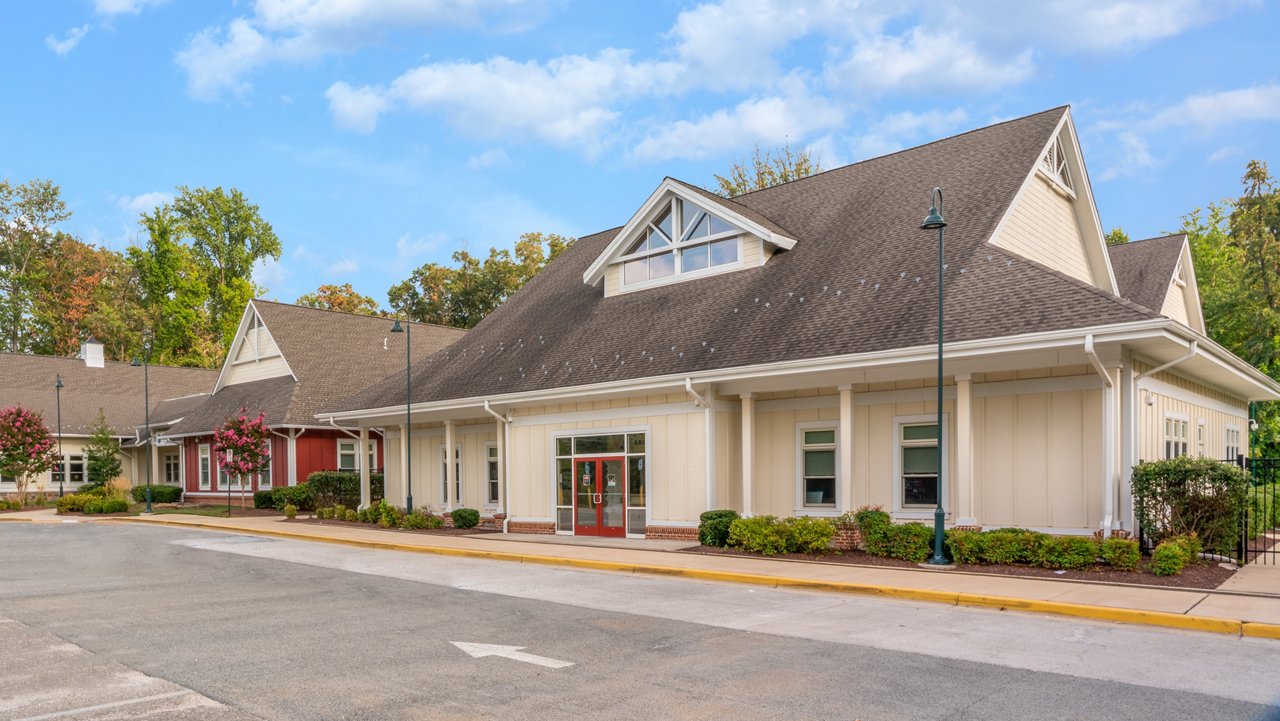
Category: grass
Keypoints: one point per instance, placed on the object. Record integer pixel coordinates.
(213, 511)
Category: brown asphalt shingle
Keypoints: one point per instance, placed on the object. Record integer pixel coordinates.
(1144, 268)
(861, 278)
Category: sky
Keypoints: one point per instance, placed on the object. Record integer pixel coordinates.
(379, 135)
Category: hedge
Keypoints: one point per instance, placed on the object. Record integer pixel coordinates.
(264, 499)
(298, 496)
(713, 527)
(335, 488)
(1185, 495)
(465, 517)
(159, 494)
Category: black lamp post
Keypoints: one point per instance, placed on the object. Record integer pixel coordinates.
(935, 222)
(408, 421)
(62, 466)
(145, 362)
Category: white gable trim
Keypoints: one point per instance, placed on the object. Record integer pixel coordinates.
(595, 272)
(250, 310)
(1086, 211)
(1191, 292)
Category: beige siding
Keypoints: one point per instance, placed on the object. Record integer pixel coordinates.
(1175, 304)
(1194, 403)
(752, 251)
(257, 344)
(245, 372)
(1043, 227)
(728, 460)
(613, 279)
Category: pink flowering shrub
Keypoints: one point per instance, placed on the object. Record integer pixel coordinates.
(26, 448)
(242, 444)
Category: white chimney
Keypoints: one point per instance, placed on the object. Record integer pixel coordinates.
(91, 352)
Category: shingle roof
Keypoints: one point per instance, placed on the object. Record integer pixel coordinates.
(28, 380)
(861, 278)
(1144, 268)
(332, 354)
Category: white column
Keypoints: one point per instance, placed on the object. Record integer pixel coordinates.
(404, 463)
(366, 496)
(748, 450)
(501, 435)
(709, 423)
(293, 457)
(845, 448)
(1128, 424)
(449, 467)
(1110, 409)
(966, 510)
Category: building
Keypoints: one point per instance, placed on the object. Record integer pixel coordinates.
(289, 362)
(90, 384)
(774, 354)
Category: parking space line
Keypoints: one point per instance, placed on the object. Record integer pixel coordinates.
(105, 706)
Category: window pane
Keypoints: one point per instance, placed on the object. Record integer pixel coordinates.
(820, 491)
(663, 223)
(724, 252)
(819, 463)
(920, 491)
(612, 443)
(639, 245)
(719, 226)
(492, 451)
(919, 433)
(563, 447)
(657, 240)
(635, 481)
(701, 230)
(564, 470)
(564, 519)
(635, 443)
(695, 258)
(636, 271)
(662, 266)
(920, 460)
(689, 214)
(635, 521)
(813, 438)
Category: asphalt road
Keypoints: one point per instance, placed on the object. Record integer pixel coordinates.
(238, 625)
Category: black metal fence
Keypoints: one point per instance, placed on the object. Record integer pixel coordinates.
(1260, 517)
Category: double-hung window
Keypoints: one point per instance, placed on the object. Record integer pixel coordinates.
(1175, 436)
(1233, 443)
(817, 467)
(457, 475)
(1200, 431)
(491, 477)
(75, 468)
(206, 464)
(172, 468)
(348, 456)
(264, 475)
(918, 465)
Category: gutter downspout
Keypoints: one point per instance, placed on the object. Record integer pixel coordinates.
(506, 450)
(698, 400)
(1191, 353)
(1108, 430)
(344, 430)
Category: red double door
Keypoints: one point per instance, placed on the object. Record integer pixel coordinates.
(600, 500)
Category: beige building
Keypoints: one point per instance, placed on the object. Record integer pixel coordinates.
(775, 354)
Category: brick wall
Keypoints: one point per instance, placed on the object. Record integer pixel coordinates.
(847, 538)
(547, 527)
(671, 533)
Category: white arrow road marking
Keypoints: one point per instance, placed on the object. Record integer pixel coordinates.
(480, 650)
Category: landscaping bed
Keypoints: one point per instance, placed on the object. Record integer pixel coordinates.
(445, 531)
(212, 510)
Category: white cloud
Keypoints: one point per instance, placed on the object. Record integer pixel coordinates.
(1134, 156)
(920, 61)
(346, 266)
(144, 203)
(488, 159)
(1261, 102)
(898, 130)
(410, 251)
(215, 61)
(355, 108)
(269, 272)
(123, 7)
(67, 44)
(1225, 153)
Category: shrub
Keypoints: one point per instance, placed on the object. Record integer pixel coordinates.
(1190, 495)
(73, 502)
(1066, 552)
(264, 499)
(910, 542)
(713, 527)
(1121, 553)
(809, 535)
(93, 506)
(1168, 559)
(759, 534)
(324, 513)
(114, 505)
(376, 487)
(465, 517)
(368, 515)
(1190, 546)
(421, 519)
(290, 511)
(1010, 545)
(333, 488)
(873, 526)
(351, 515)
(388, 515)
(298, 496)
(159, 493)
(967, 547)
(339, 511)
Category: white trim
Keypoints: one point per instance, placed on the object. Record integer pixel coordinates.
(239, 340)
(801, 509)
(355, 444)
(612, 414)
(204, 452)
(488, 504)
(1161, 388)
(554, 488)
(899, 512)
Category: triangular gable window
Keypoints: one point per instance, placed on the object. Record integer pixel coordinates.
(704, 242)
(1054, 165)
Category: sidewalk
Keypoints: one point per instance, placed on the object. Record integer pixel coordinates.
(1216, 611)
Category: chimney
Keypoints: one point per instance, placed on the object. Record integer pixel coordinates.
(91, 352)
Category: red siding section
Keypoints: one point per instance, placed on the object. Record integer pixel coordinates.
(317, 451)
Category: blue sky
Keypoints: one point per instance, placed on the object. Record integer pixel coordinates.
(377, 135)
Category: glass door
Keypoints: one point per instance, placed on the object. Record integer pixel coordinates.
(586, 517)
(600, 502)
(613, 507)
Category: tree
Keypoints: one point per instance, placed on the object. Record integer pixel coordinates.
(70, 280)
(28, 214)
(461, 296)
(174, 295)
(1117, 236)
(229, 237)
(342, 298)
(242, 446)
(766, 169)
(26, 448)
(102, 454)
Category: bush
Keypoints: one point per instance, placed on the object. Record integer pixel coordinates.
(114, 505)
(1168, 559)
(264, 499)
(1121, 553)
(159, 493)
(290, 511)
(809, 535)
(332, 488)
(713, 527)
(967, 547)
(376, 487)
(299, 496)
(1190, 545)
(351, 515)
(93, 506)
(73, 502)
(1185, 495)
(324, 513)
(760, 534)
(1010, 545)
(1066, 552)
(421, 519)
(873, 526)
(388, 515)
(910, 542)
(465, 517)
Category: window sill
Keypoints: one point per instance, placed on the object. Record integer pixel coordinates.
(818, 512)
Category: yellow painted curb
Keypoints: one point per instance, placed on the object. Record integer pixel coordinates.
(1076, 610)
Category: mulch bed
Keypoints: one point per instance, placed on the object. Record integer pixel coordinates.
(447, 531)
(1205, 575)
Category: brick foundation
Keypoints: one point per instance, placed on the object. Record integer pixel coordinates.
(547, 528)
(847, 538)
(670, 533)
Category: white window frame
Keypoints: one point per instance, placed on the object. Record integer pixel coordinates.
(373, 454)
(164, 463)
(1174, 422)
(1233, 449)
(492, 483)
(1053, 166)
(266, 472)
(802, 508)
(553, 470)
(204, 463)
(352, 449)
(677, 248)
(457, 474)
(920, 512)
(1202, 429)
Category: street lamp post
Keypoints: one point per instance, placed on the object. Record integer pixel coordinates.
(408, 421)
(62, 466)
(934, 221)
(145, 362)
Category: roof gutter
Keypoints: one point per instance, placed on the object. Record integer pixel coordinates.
(505, 429)
(698, 400)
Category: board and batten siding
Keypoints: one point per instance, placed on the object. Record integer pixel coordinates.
(1043, 227)
(1175, 304)
(1180, 397)
(428, 486)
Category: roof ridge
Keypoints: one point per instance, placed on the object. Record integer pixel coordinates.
(356, 315)
(112, 362)
(1131, 243)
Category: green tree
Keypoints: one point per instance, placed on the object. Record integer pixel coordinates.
(766, 169)
(70, 281)
(28, 215)
(342, 298)
(229, 237)
(1117, 236)
(174, 295)
(462, 295)
(26, 448)
(102, 454)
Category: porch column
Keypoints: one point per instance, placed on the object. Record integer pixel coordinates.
(366, 496)
(966, 508)
(450, 466)
(404, 463)
(501, 435)
(156, 478)
(293, 457)
(748, 449)
(709, 423)
(845, 447)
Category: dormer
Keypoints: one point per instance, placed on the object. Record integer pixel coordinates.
(254, 355)
(680, 234)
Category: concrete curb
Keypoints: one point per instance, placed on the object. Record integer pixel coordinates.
(1100, 613)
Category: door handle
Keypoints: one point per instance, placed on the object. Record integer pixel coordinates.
(598, 499)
